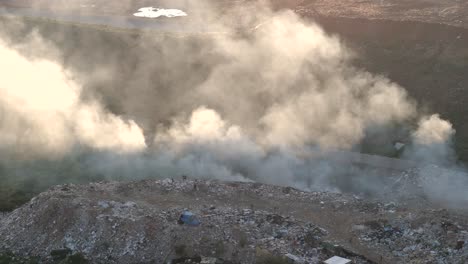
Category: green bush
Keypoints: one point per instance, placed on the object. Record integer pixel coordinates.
(180, 250)
(266, 257)
(10, 258)
(77, 258)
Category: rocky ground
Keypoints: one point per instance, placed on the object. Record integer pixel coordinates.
(137, 222)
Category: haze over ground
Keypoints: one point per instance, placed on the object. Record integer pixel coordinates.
(359, 106)
(228, 106)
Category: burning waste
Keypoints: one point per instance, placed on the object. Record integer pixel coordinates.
(227, 223)
(281, 103)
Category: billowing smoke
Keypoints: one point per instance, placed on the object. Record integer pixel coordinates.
(276, 99)
(432, 142)
(308, 91)
(42, 112)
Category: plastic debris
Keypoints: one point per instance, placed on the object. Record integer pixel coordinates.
(294, 259)
(189, 219)
(337, 260)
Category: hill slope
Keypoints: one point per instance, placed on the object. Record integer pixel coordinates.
(137, 222)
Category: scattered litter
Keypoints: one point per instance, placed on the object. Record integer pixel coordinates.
(399, 146)
(294, 259)
(337, 260)
(189, 219)
(209, 261)
(90, 215)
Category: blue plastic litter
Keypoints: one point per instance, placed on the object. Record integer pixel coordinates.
(189, 218)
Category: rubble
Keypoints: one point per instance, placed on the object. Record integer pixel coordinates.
(434, 241)
(236, 223)
(294, 259)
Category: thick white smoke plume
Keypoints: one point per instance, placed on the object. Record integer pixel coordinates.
(42, 112)
(314, 95)
(276, 96)
(432, 142)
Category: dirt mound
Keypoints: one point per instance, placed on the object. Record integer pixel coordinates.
(139, 222)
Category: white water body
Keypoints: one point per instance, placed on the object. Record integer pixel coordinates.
(152, 12)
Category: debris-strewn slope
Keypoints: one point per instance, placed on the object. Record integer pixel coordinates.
(240, 222)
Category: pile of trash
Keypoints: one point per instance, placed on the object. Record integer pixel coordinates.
(195, 221)
(430, 241)
(118, 232)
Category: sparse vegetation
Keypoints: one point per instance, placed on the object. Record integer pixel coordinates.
(243, 240)
(14, 195)
(66, 256)
(220, 249)
(180, 250)
(11, 199)
(10, 258)
(265, 257)
(77, 258)
(60, 254)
